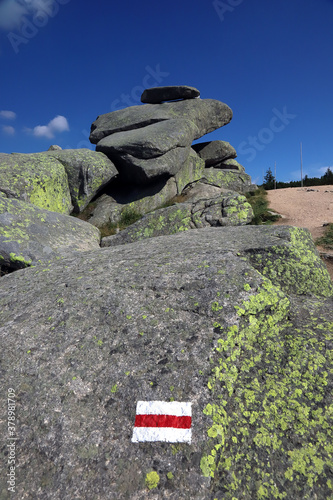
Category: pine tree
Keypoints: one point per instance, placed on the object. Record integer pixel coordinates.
(269, 180)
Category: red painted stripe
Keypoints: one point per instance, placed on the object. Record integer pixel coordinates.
(163, 421)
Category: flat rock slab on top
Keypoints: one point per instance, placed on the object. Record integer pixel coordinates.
(156, 95)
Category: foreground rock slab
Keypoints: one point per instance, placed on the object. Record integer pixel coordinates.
(206, 317)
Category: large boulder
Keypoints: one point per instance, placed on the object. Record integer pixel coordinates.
(88, 172)
(229, 178)
(29, 234)
(149, 142)
(156, 95)
(185, 318)
(38, 178)
(206, 114)
(201, 190)
(56, 180)
(229, 209)
(144, 172)
(214, 152)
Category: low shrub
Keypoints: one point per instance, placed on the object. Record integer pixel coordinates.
(326, 240)
(260, 205)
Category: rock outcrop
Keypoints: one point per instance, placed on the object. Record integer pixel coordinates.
(236, 321)
(152, 143)
(181, 307)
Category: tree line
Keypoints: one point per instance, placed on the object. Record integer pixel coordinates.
(270, 183)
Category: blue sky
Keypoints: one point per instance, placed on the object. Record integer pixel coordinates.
(63, 62)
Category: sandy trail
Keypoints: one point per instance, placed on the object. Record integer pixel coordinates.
(309, 207)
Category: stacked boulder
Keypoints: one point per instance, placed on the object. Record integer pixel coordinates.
(152, 148)
(155, 140)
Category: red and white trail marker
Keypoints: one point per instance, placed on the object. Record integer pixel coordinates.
(162, 421)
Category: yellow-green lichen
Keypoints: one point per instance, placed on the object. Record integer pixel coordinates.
(39, 178)
(296, 266)
(152, 480)
(274, 417)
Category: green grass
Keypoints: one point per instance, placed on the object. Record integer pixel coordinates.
(85, 214)
(128, 217)
(326, 240)
(260, 205)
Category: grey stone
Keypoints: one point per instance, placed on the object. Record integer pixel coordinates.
(156, 95)
(88, 172)
(190, 317)
(214, 151)
(144, 172)
(109, 208)
(201, 191)
(55, 147)
(230, 164)
(192, 170)
(228, 179)
(146, 198)
(29, 234)
(38, 178)
(229, 209)
(149, 142)
(206, 114)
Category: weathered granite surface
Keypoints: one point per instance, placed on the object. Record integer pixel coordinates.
(236, 321)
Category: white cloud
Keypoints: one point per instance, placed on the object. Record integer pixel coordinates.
(311, 171)
(8, 130)
(11, 14)
(57, 125)
(323, 170)
(10, 115)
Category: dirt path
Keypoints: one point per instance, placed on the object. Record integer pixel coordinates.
(309, 207)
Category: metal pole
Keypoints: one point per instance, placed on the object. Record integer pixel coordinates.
(275, 175)
(301, 167)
